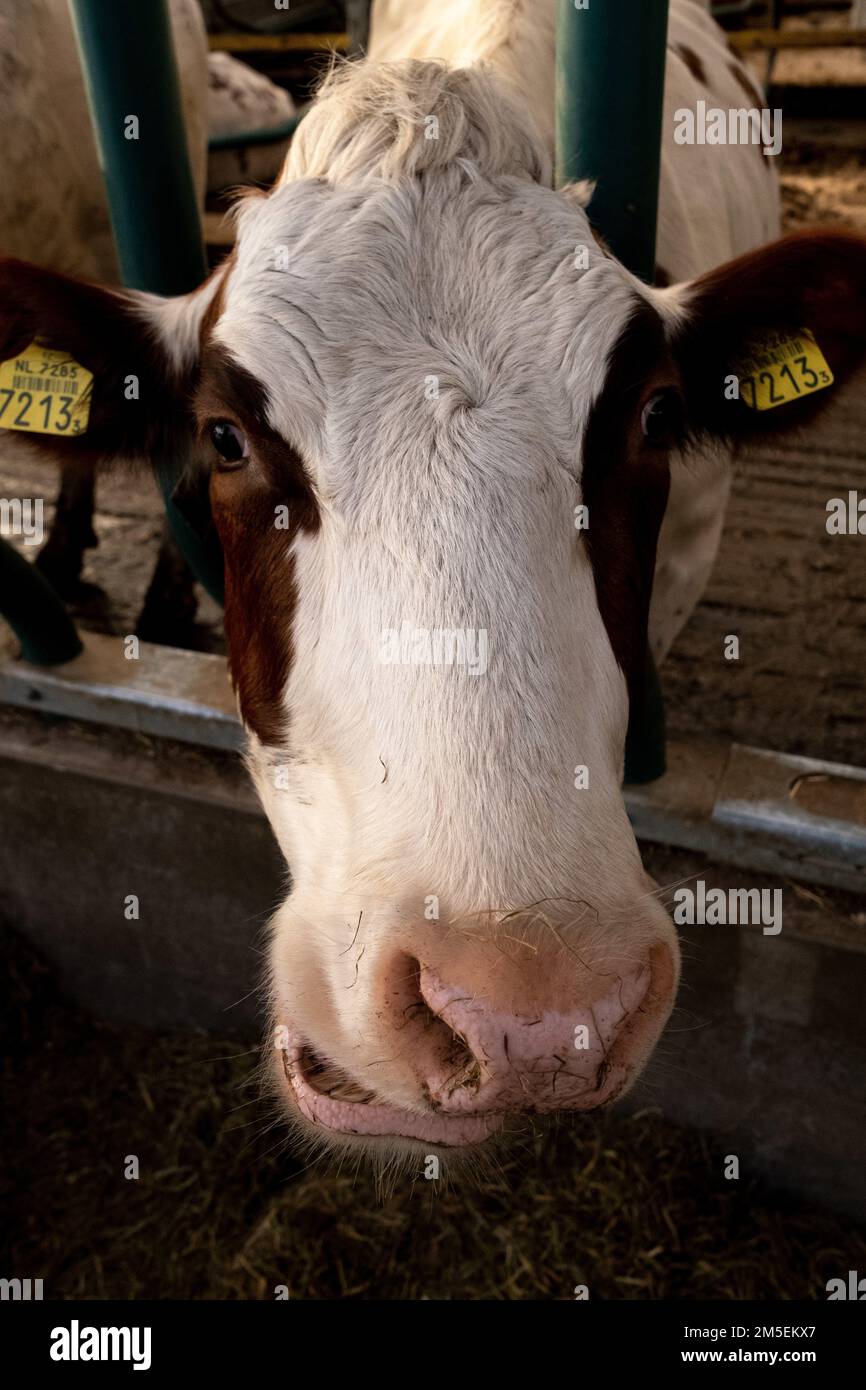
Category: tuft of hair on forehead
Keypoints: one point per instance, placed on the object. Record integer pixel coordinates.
(396, 120)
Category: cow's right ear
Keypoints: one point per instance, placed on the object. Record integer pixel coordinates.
(142, 353)
(771, 329)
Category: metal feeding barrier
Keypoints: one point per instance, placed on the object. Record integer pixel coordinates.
(747, 806)
(127, 57)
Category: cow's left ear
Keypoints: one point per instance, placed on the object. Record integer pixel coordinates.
(136, 357)
(763, 340)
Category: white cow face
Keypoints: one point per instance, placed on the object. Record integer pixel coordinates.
(440, 421)
(467, 407)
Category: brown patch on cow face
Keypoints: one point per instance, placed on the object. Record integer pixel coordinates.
(260, 591)
(692, 61)
(625, 486)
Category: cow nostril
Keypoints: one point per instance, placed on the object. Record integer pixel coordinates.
(463, 1071)
(435, 1036)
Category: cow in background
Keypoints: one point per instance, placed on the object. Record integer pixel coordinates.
(54, 212)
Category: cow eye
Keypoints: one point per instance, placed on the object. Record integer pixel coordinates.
(663, 420)
(230, 443)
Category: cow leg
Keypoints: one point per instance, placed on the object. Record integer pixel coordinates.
(170, 603)
(62, 556)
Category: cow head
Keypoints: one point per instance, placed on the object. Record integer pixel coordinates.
(414, 370)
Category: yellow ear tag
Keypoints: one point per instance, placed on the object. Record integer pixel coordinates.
(781, 367)
(44, 391)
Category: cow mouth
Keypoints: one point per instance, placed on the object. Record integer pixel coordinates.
(333, 1102)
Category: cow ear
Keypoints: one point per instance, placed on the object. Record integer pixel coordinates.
(763, 340)
(140, 351)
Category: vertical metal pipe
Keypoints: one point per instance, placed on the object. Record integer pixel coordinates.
(357, 26)
(610, 62)
(610, 67)
(127, 57)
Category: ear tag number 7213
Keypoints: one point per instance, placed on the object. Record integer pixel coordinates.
(44, 391)
(782, 367)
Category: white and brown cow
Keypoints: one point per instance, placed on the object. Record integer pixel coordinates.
(408, 381)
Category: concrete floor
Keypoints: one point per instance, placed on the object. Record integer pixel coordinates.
(795, 596)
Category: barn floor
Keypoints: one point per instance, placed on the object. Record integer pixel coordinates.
(631, 1206)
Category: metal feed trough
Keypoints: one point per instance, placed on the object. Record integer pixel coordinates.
(120, 776)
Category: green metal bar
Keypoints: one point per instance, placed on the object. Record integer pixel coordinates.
(358, 26)
(610, 60)
(127, 57)
(132, 84)
(610, 66)
(35, 612)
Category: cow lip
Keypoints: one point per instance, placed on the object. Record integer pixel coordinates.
(369, 1118)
